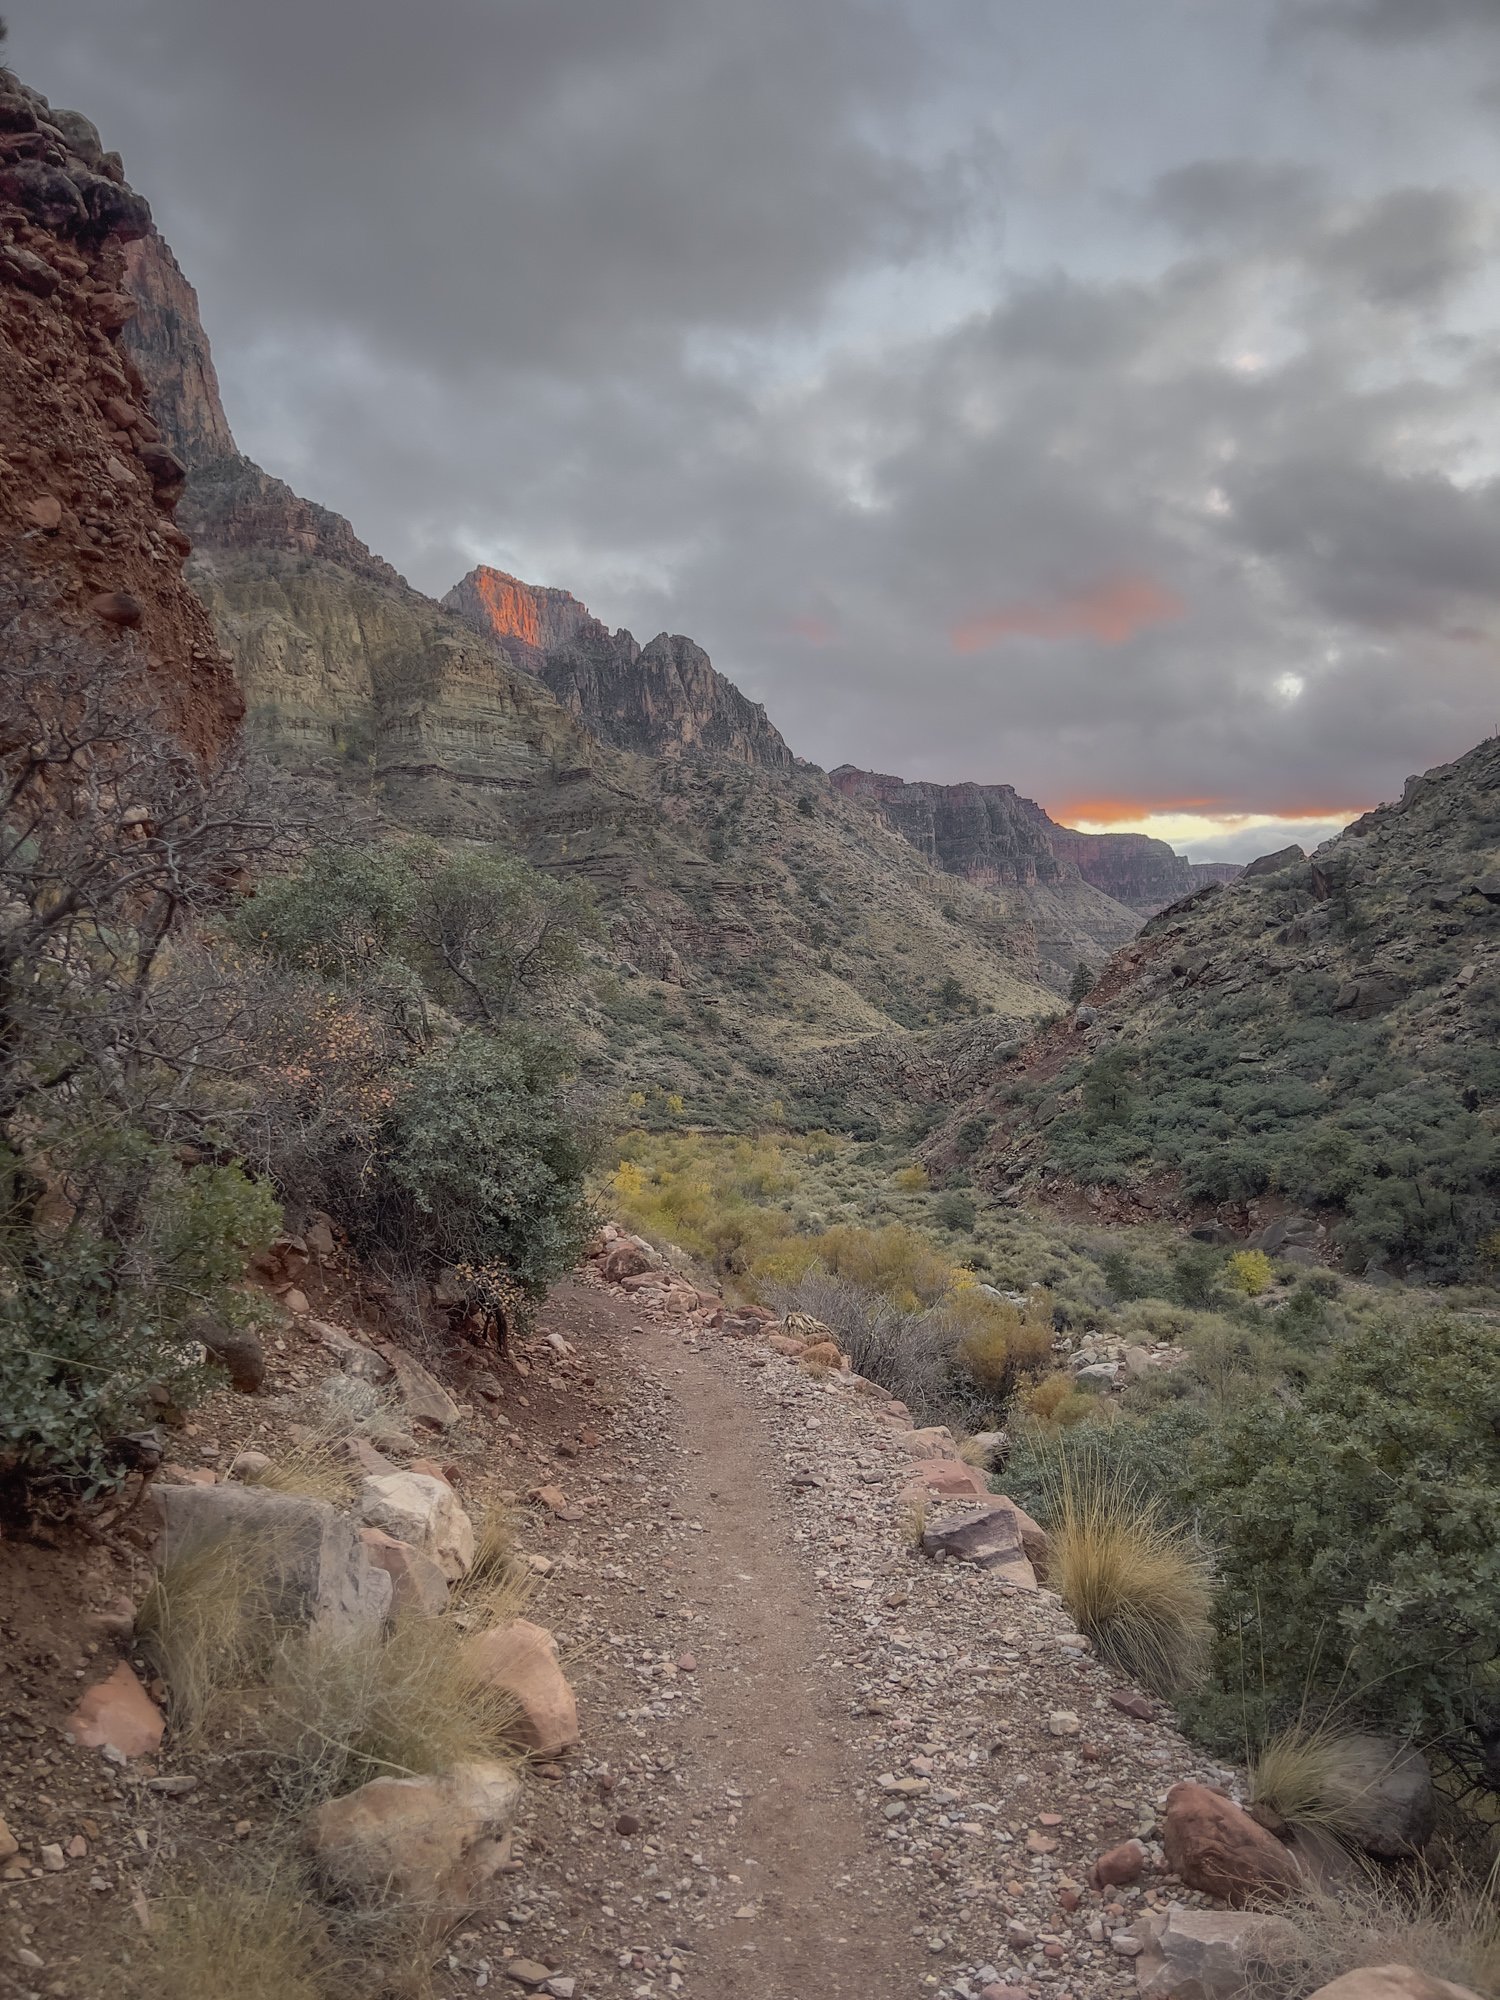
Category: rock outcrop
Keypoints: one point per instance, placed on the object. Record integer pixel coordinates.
(991, 835)
(167, 341)
(88, 484)
(664, 699)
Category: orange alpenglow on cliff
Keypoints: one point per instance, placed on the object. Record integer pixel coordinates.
(509, 606)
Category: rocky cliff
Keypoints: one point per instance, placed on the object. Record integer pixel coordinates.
(88, 485)
(167, 340)
(990, 834)
(664, 699)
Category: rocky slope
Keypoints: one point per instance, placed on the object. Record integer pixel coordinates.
(990, 834)
(1307, 1056)
(662, 700)
(88, 487)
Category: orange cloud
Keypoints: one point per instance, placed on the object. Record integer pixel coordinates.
(815, 630)
(1135, 812)
(1119, 812)
(1111, 612)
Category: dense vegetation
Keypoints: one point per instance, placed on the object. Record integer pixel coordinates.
(178, 1062)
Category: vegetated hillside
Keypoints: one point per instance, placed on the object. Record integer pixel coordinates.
(1320, 1039)
(990, 834)
(750, 911)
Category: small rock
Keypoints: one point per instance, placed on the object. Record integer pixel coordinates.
(52, 1858)
(117, 608)
(1119, 1866)
(9, 1845)
(1133, 1704)
(424, 1512)
(1063, 1722)
(527, 1972)
(627, 1824)
(117, 1714)
(521, 1659)
(45, 513)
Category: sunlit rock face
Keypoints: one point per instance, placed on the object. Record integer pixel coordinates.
(665, 699)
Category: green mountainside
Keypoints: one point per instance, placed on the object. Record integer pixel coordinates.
(1312, 1052)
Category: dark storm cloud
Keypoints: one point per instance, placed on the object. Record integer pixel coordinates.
(1397, 20)
(554, 182)
(1173, 482)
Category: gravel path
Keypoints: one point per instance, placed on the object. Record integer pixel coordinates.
(814, 1762)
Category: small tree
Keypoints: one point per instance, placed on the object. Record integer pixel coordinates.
(1082, 983)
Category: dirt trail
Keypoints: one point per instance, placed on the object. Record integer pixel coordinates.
(814, 1764)
(748, 1792)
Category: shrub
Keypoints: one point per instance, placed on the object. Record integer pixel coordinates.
(1134, 1583)
(955, 1211)
(1001, 1344)
(911, 1180)
(1250, 1272)
(1058, 1400)
(484, 1161)
(117, 1081)
(971, 1135)
(1358, 1537)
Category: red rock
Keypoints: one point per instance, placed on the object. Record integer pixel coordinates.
(1119, 1865)
(45, 512)
(686, 1663)
(1219, 1850)
(950, 1479)
(521, 1659)
(118, 608)
(1134, 1704)
(118, 1714)
(1392, 1982)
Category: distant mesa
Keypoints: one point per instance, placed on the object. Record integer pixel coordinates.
(665, 699)
(991, 835)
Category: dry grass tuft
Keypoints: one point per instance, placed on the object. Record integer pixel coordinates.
(916, 1506)
(1313, 1776)
(341, 1711)
(237, 1941)
(319, 1469)
(1448, 1930)
(1134, 1583)
(207, 1625)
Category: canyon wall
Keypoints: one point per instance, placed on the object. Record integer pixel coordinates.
(89, 487)
(665, 699)
(991, 835)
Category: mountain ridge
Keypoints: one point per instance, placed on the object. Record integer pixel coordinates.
(991, 833)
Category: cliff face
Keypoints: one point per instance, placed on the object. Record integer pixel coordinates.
(661, 700)
(88, 485)
(167, 340)
(989, 834)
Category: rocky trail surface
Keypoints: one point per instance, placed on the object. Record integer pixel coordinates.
(815, 1762)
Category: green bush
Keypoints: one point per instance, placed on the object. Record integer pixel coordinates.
(1358, 1538)
(485, 1162)
(93, 1341)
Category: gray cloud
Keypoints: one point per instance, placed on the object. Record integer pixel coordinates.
(1167, 479)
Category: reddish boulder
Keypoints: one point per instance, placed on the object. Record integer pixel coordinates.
(625, 1260)
(1221, 1851)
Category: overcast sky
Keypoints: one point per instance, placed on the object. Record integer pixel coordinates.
(1094, 395)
